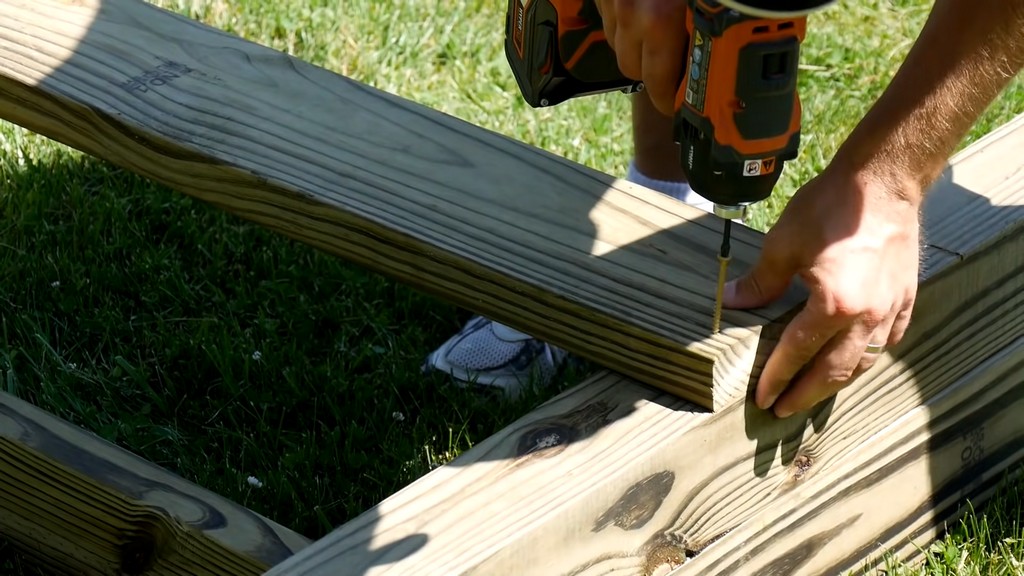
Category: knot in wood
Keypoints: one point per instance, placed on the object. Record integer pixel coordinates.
(143, 545)
(549, 440)
(801, 465)
(551, 436)
(138, 554)
(638, 504)
(663, 559)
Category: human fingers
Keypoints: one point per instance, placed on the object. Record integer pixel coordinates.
(801, 340)
(835, 365)
(889, 333)
(662, 56)
(627, 39)
(902, 320)
(877, 342)
(606, 9)
(766, 281)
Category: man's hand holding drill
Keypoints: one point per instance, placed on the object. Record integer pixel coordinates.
(852, 233)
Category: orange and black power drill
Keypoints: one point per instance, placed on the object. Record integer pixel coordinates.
(737, 111)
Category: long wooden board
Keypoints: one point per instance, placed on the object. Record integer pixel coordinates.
(82, 506)
(617, 493)
(613, 477)
(897, 492)
(612, 271)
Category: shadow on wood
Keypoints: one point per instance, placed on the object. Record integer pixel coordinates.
(612, 475)
(667, 484)
(80, 505)
(614, 272)
(663, 484)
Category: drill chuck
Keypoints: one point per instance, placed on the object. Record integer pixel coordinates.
(730, 212)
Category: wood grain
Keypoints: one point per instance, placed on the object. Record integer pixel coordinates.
(80, 505)
(612, 271)
(613, 477)
(894, 493)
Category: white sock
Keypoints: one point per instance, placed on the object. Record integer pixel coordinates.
(679, 190)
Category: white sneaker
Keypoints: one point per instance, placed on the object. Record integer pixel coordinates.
(487, 353)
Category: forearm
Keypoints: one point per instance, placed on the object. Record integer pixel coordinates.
(966, 55)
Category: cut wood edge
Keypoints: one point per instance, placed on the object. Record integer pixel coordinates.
(673, 426)
(81, 505)
(382, 182)
(532, 510)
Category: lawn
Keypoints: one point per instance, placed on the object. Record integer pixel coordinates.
(222, 352)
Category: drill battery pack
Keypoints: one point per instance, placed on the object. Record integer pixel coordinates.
(557, 50)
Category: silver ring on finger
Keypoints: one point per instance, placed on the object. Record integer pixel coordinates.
(875, 348)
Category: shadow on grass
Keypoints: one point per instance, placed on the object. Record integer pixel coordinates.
(222, 351)
(162, 324)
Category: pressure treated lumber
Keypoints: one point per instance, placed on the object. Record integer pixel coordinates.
(897, 492)
(612, 271)
(80, 505)
(613, 477)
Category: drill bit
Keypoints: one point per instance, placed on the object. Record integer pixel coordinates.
(723, 262)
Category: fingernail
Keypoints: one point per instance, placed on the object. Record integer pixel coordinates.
(783, 413)
(767, 403)
(729, 293)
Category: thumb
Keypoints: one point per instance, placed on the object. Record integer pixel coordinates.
(766, 282)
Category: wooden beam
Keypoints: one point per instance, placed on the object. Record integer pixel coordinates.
(612, 271)
(613, 477)
(80, 505)
(897, 492)
(627, 285)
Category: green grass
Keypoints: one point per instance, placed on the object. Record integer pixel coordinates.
(986, 542)
(220, 351)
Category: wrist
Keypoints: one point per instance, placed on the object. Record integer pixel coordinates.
(882, 177)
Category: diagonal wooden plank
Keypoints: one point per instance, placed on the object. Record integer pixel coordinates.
(612, 271)
(80, 505)
(613, 477)
(897, 492)
(601, 487)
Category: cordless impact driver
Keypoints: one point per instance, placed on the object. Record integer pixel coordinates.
(737, 111)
